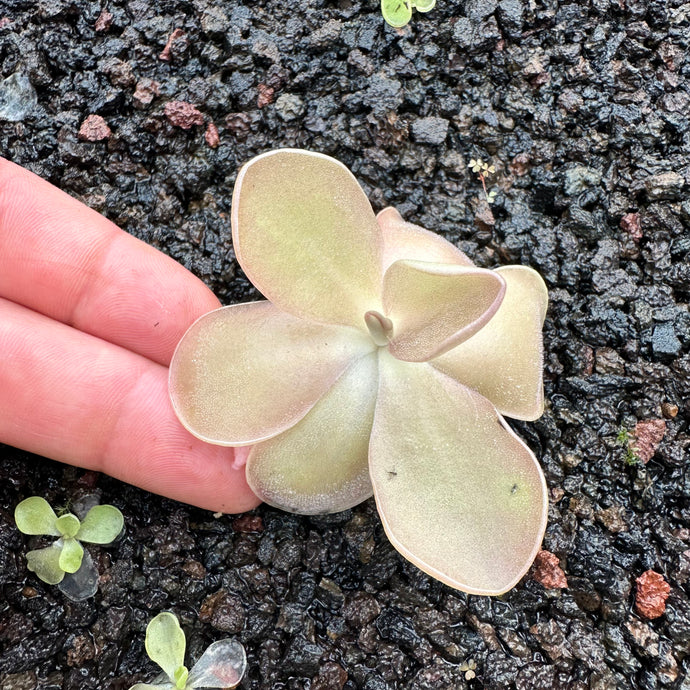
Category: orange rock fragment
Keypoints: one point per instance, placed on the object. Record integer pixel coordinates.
(548, 572)
(94, 128)
(165, 53)
(648, 435)
(212, 137)
(265, 96)
(651, 594)
(183, 114)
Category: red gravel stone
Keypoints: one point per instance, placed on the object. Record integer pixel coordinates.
(183, 114)
(548, 572)
(165, 54)
(4, 21)
(630, 223)
(212, 137)
(652, 592)
(265, 96)
(94, 128)
(104, 21)
(648, 435)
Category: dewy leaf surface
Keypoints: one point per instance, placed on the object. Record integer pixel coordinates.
(306, 236)
(320, 465)
(436, 306)
(222, 665)
(101, 525)
(35, 516)
(247, 372)
(165, 643)
(403, 240)
(46, 563)
(504, 360)
(458, 492)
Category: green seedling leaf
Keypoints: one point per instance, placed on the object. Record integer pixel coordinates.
(35, 516)
(102, 525)
(222, 665)
(67, 525)
(71, 555)
(165, 643)
(396, 12)
(180, 678)
(424, 5)
(46, 563)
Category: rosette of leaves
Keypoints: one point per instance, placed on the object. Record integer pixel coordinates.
(222, 665)
(64, 562)
(399, 12)
(382, 363)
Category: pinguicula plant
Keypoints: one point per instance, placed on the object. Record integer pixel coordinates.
(65, 562)
(222, 665)
(382, 363)
(399, 12)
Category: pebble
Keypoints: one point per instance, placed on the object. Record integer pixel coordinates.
(430, 130)
(94, 128)
(289, 107)
(548, 572)
(650, 594)
(648, 435)
(183, 114)
(17, 98)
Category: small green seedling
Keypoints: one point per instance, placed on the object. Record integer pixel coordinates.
(399, 12)
(222, 665)
(484, 170)
(627, 441)
(66, 556)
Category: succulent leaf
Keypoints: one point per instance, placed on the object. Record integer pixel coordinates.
(434, 307)
(71, 555)
(67, 525)
(165, 643)
(222, 665)
(503, 361)
(320, 465)
(403, 240)
(458, 492)
(396, 12)
(35, 516)
(287, 364)
(306, 236)
(153, 686)
(102, 525)
(424, 5)
(46, 563)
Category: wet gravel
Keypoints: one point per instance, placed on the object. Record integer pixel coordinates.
(145, 110)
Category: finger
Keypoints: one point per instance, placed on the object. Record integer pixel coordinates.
(72, 397)
(62, 259)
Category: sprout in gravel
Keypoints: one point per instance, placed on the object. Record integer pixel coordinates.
(382, 364)
(64, 562)
(399, 12)
(222, 665)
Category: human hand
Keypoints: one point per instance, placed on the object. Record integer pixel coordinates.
(89, 319)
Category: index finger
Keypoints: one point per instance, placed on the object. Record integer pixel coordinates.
(64, 260)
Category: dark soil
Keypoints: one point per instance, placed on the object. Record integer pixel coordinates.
(583, 109)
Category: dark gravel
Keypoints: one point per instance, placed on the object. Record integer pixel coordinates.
(583, 109)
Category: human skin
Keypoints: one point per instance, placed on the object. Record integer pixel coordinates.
(89, 320)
